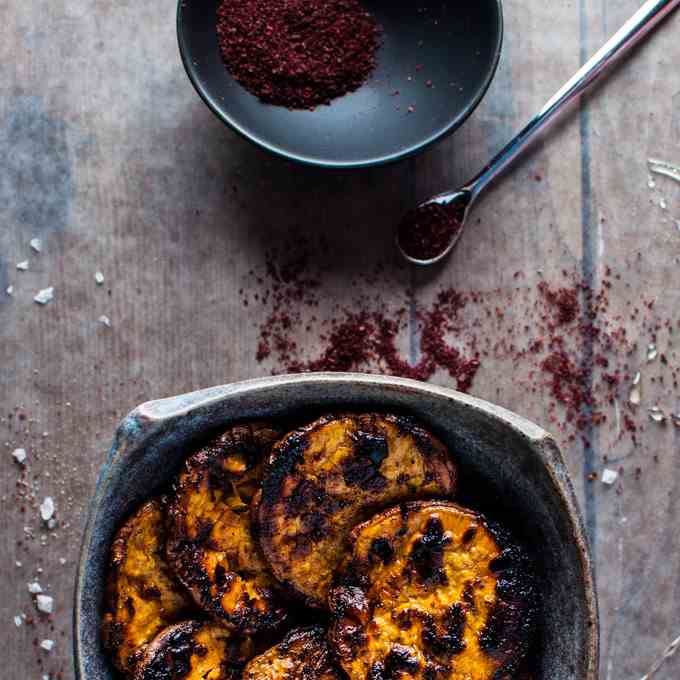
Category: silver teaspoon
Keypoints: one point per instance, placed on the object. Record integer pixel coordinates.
(453, 207)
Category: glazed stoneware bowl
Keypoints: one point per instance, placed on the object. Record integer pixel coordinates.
(456, 46)
(510, 468)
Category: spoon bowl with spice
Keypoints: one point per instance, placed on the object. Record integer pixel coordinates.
(429, 233)
(341, 83)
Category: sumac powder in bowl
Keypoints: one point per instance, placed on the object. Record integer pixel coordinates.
(298, 53)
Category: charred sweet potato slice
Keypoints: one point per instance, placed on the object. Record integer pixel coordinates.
(302, 655)
(325, 478)
(143, 595)
(210, 542)
(432, 591)
(195, 650)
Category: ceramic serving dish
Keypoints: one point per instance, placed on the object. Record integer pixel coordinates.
(510, 468)
(456, 46)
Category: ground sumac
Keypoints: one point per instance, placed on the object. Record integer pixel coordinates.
(298, 53)
(427, 231)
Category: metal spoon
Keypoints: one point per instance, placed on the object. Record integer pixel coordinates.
(460, 200)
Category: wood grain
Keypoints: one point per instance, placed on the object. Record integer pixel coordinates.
(113, 161)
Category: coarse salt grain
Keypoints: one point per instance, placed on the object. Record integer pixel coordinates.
(103, 319)
(9, 290)
(45, 604)
(22, 266)
(18, 621)
(19, 456)
(34, 588)
(36, 244)
(44, 296)
(99, 278)
(47, 509)
(609, 476)
(47, 645)
(656, 414)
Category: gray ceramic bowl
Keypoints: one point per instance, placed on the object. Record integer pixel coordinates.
(513, 466)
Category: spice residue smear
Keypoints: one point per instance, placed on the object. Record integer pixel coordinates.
(426, 231)
(298, 53)
(558, 340)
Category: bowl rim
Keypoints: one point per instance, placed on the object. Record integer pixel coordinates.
(149, 417)
(261, 142)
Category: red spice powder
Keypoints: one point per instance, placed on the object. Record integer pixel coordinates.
(560, 341)
(426, 231)
(297, 53)
(564, 300)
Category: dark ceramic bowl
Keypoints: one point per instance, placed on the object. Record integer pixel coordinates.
(457, 44)
(512, 466)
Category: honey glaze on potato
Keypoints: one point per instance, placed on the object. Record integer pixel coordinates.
(195, 650)
(432, 591)
(142, 594)
(210, 541)
(326, 477)
(303, 654)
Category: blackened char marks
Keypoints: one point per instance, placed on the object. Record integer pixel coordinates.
(362, 467)
(173, 661)
(445, 639)
(513, 617)
(303, 653)
(399, 661)
(427, 554)
(382, 550)
(281, 466)
(409, 425)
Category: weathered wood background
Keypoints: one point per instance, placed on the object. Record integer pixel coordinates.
(110, 158)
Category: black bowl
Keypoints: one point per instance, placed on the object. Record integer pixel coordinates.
(455, 45)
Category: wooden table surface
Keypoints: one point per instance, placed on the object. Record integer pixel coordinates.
(110, 158)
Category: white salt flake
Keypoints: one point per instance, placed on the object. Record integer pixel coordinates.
(62, 561)
(9, 290)
(656, 414)
(99, 278)
(17, 564)
(36, 244)
(19, 456)
(47, 645)
(45, 604)
(34, 588)
(609, 476)
(651, 183)
(635, 397)
(18, 621)
(103, 319)
(44, 296)
(47, 509)
(652, 352)
(662, 203)
(22, 266)
(664, 168)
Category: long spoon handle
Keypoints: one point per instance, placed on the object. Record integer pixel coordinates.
(643, 21)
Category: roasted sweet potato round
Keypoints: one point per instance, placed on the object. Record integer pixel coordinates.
(302, 655)
(142, 595)
(432, 591)
(195, 650)
(323, 479)
(210, 542)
